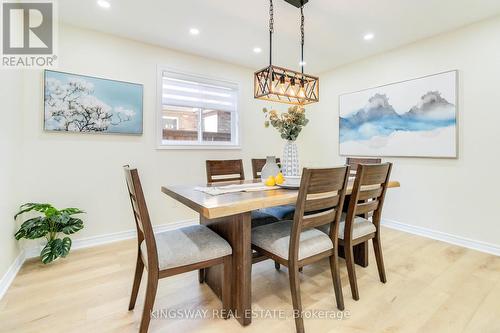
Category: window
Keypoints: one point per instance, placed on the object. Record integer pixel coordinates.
(197, 112)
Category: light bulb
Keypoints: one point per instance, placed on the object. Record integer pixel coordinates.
(282, 84)
(292, 87)
(302, 91)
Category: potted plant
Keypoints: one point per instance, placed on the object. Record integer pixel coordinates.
(50, 223)
(289, 124)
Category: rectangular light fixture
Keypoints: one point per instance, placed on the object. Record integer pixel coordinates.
(284, 85)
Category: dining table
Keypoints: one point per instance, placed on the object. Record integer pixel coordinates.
(229, 215)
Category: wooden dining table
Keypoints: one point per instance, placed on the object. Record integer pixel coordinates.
(229, 215)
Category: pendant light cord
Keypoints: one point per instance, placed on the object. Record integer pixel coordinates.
(302, 37)
(271, 30)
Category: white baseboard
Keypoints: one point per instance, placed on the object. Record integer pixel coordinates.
(34, 251)
(81, 243)
(11, 273)
(444, 237)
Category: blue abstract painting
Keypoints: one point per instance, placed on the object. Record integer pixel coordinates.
(415, 118)
(78, 103)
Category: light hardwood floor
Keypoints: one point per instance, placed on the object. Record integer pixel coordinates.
(432, 287)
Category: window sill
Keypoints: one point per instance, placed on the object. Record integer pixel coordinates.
(198, 147)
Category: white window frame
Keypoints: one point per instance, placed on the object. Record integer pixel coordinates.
(235, 123)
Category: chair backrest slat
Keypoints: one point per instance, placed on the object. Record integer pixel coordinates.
(367, 207)
(320, 201)
(258, 164)
(368, 194)
(316, 204)
(141, 216)
(353, 162)
(318, 219)
(224, 170)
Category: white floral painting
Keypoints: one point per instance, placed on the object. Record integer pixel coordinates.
(78, 103)
(415, 118)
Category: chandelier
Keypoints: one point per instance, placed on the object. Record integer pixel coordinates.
(284, 85)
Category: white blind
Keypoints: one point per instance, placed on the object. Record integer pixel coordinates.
(192, 91)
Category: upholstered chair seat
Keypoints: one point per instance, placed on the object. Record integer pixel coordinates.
(188, 245)
(361, 227)
(275, 238)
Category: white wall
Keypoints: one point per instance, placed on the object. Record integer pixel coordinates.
(455, 196)
(452, 196)
(10, 145)
(85, 170)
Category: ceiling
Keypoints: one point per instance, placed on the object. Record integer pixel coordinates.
(230, 29)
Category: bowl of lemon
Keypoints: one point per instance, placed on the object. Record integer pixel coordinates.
(274, 180)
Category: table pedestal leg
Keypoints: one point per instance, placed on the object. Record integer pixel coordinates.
(360, 253)
(236, 230)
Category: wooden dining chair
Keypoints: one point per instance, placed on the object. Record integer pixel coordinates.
(258, 164)
(232, 170)
(367, 196)
(224, 171)
(172, 252)
(298, 243)
(353, 162)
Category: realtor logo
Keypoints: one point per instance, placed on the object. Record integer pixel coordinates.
(28, 34)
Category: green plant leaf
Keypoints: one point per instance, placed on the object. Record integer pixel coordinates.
(65, 246)
(54, 249)
(60, 219)
(71, 211)
(70, 227)
(51, 211)
(33, 228)
(42, 208)
(51, 251)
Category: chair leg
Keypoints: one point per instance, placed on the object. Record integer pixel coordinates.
(349, 257)
(139, 268)
(226, 286)
(149, 301)
(277, 265)
(201, 275)
(380, 259)
(337, 283)
(293, 273)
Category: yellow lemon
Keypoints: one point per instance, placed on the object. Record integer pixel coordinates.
(279, 179)
(270, 181)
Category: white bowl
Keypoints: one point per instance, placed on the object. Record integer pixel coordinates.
(292, 180)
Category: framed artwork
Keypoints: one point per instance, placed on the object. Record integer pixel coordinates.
(414, 118)
(85, 104)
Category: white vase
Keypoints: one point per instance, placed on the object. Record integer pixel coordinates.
(270, 168)
(290, 160)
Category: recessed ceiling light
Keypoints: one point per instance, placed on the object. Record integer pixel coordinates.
(302, 63)
(103, 3)
(257, 49)
(194, 31)
(368, 36)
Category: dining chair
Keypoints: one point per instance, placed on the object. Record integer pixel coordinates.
(224, 171)
(172, 252)
(258, 164)
(353, 162)
(367, 196)
(232, 170)
(298, 243)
